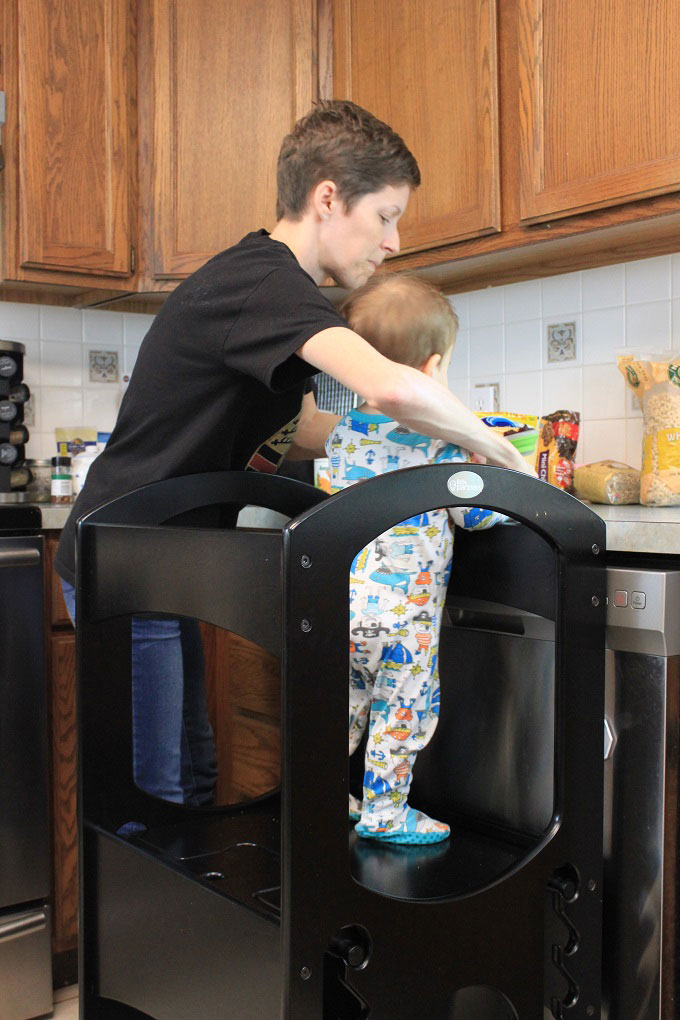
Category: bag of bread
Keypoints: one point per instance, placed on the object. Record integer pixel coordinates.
(557, 440)
(655, 380)
(519, 429)
(607, 481)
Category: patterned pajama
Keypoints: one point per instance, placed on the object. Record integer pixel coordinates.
(397, 591)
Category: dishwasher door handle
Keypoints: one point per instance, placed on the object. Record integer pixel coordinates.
(22, 924)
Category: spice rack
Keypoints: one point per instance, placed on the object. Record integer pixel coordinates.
(10, 349)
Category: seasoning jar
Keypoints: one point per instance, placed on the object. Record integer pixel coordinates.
(61, 489)
(40, 488)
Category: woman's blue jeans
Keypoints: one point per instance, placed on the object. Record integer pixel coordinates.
(173, 745)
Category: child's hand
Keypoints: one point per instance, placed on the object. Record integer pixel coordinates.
(477, 458)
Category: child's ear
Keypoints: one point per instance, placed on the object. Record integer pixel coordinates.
(430, 366)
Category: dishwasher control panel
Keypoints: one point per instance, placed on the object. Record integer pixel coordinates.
(643, 610)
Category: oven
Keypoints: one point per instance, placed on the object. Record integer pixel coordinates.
(25, 938)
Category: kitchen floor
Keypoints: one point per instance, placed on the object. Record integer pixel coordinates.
(66, 1003)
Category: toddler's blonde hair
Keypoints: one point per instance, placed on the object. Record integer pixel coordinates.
(402, 316)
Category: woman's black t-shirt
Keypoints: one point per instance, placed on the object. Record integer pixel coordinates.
(217, 384)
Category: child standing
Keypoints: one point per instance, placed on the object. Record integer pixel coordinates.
(398, 582)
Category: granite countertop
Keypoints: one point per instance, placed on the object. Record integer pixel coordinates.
(641, 529)
(54, 515)
(634, 528)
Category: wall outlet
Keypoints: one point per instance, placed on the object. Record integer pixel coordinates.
(486, 396)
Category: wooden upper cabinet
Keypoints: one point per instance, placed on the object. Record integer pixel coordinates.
(599, 110)
(229, 81)
(429, 69)
(75, 81)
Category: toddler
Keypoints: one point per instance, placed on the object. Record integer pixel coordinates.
(398, 582)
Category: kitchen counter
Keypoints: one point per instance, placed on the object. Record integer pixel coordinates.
(634, 528)
(641, 529)
(54, 515)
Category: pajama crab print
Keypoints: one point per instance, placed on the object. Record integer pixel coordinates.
(397, 591)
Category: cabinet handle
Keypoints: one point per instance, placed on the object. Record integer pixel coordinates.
(19, 557)
(25, 924)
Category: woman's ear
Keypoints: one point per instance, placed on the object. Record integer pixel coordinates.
(430, 366)
(323, 198)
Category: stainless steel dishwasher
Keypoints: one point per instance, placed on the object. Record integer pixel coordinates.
(25, 949)
(497, 761)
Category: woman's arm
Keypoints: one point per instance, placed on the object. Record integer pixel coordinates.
(405, 394)
(312, 432)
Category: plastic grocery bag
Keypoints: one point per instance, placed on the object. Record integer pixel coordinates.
(655, 380)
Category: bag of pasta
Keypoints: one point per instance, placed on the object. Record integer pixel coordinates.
(655, 380)
(607, 481)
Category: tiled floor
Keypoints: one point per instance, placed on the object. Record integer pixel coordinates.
(66, 1003)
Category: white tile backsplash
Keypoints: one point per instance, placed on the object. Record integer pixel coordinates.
(501, 339)
(19, 322)
(460, 304)
(61, 363)
(486, 351)
(60, 323)
(648, 326)
(56, 364)
(523, 301)
(603, 334)
(635, 306)
(135, 326)
(485, 307)
(604, 392)
(522, 393)
(101, 407)
(459, 366)
(603, 287)
(523, 346)
(562, 390)
(561, 296)
(130, 353)
(604, 440)
(61, 405)
(648, 280)
(102, 328)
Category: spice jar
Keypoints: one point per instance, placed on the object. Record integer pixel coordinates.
(61, 490)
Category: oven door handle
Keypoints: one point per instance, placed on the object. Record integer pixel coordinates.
(22, 924)
(19, 557)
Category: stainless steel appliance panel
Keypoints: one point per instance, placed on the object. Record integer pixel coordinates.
(25, 964)
(640, 844)
(497, 668)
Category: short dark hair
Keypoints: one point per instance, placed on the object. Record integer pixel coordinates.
(402, 316)
(341, 142)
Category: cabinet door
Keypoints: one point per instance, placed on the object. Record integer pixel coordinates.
(599, 111)
(75, 70)
(229, 81)
(64, 816)
(429, 69)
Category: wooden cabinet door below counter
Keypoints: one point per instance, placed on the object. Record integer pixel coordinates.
(64, 815)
